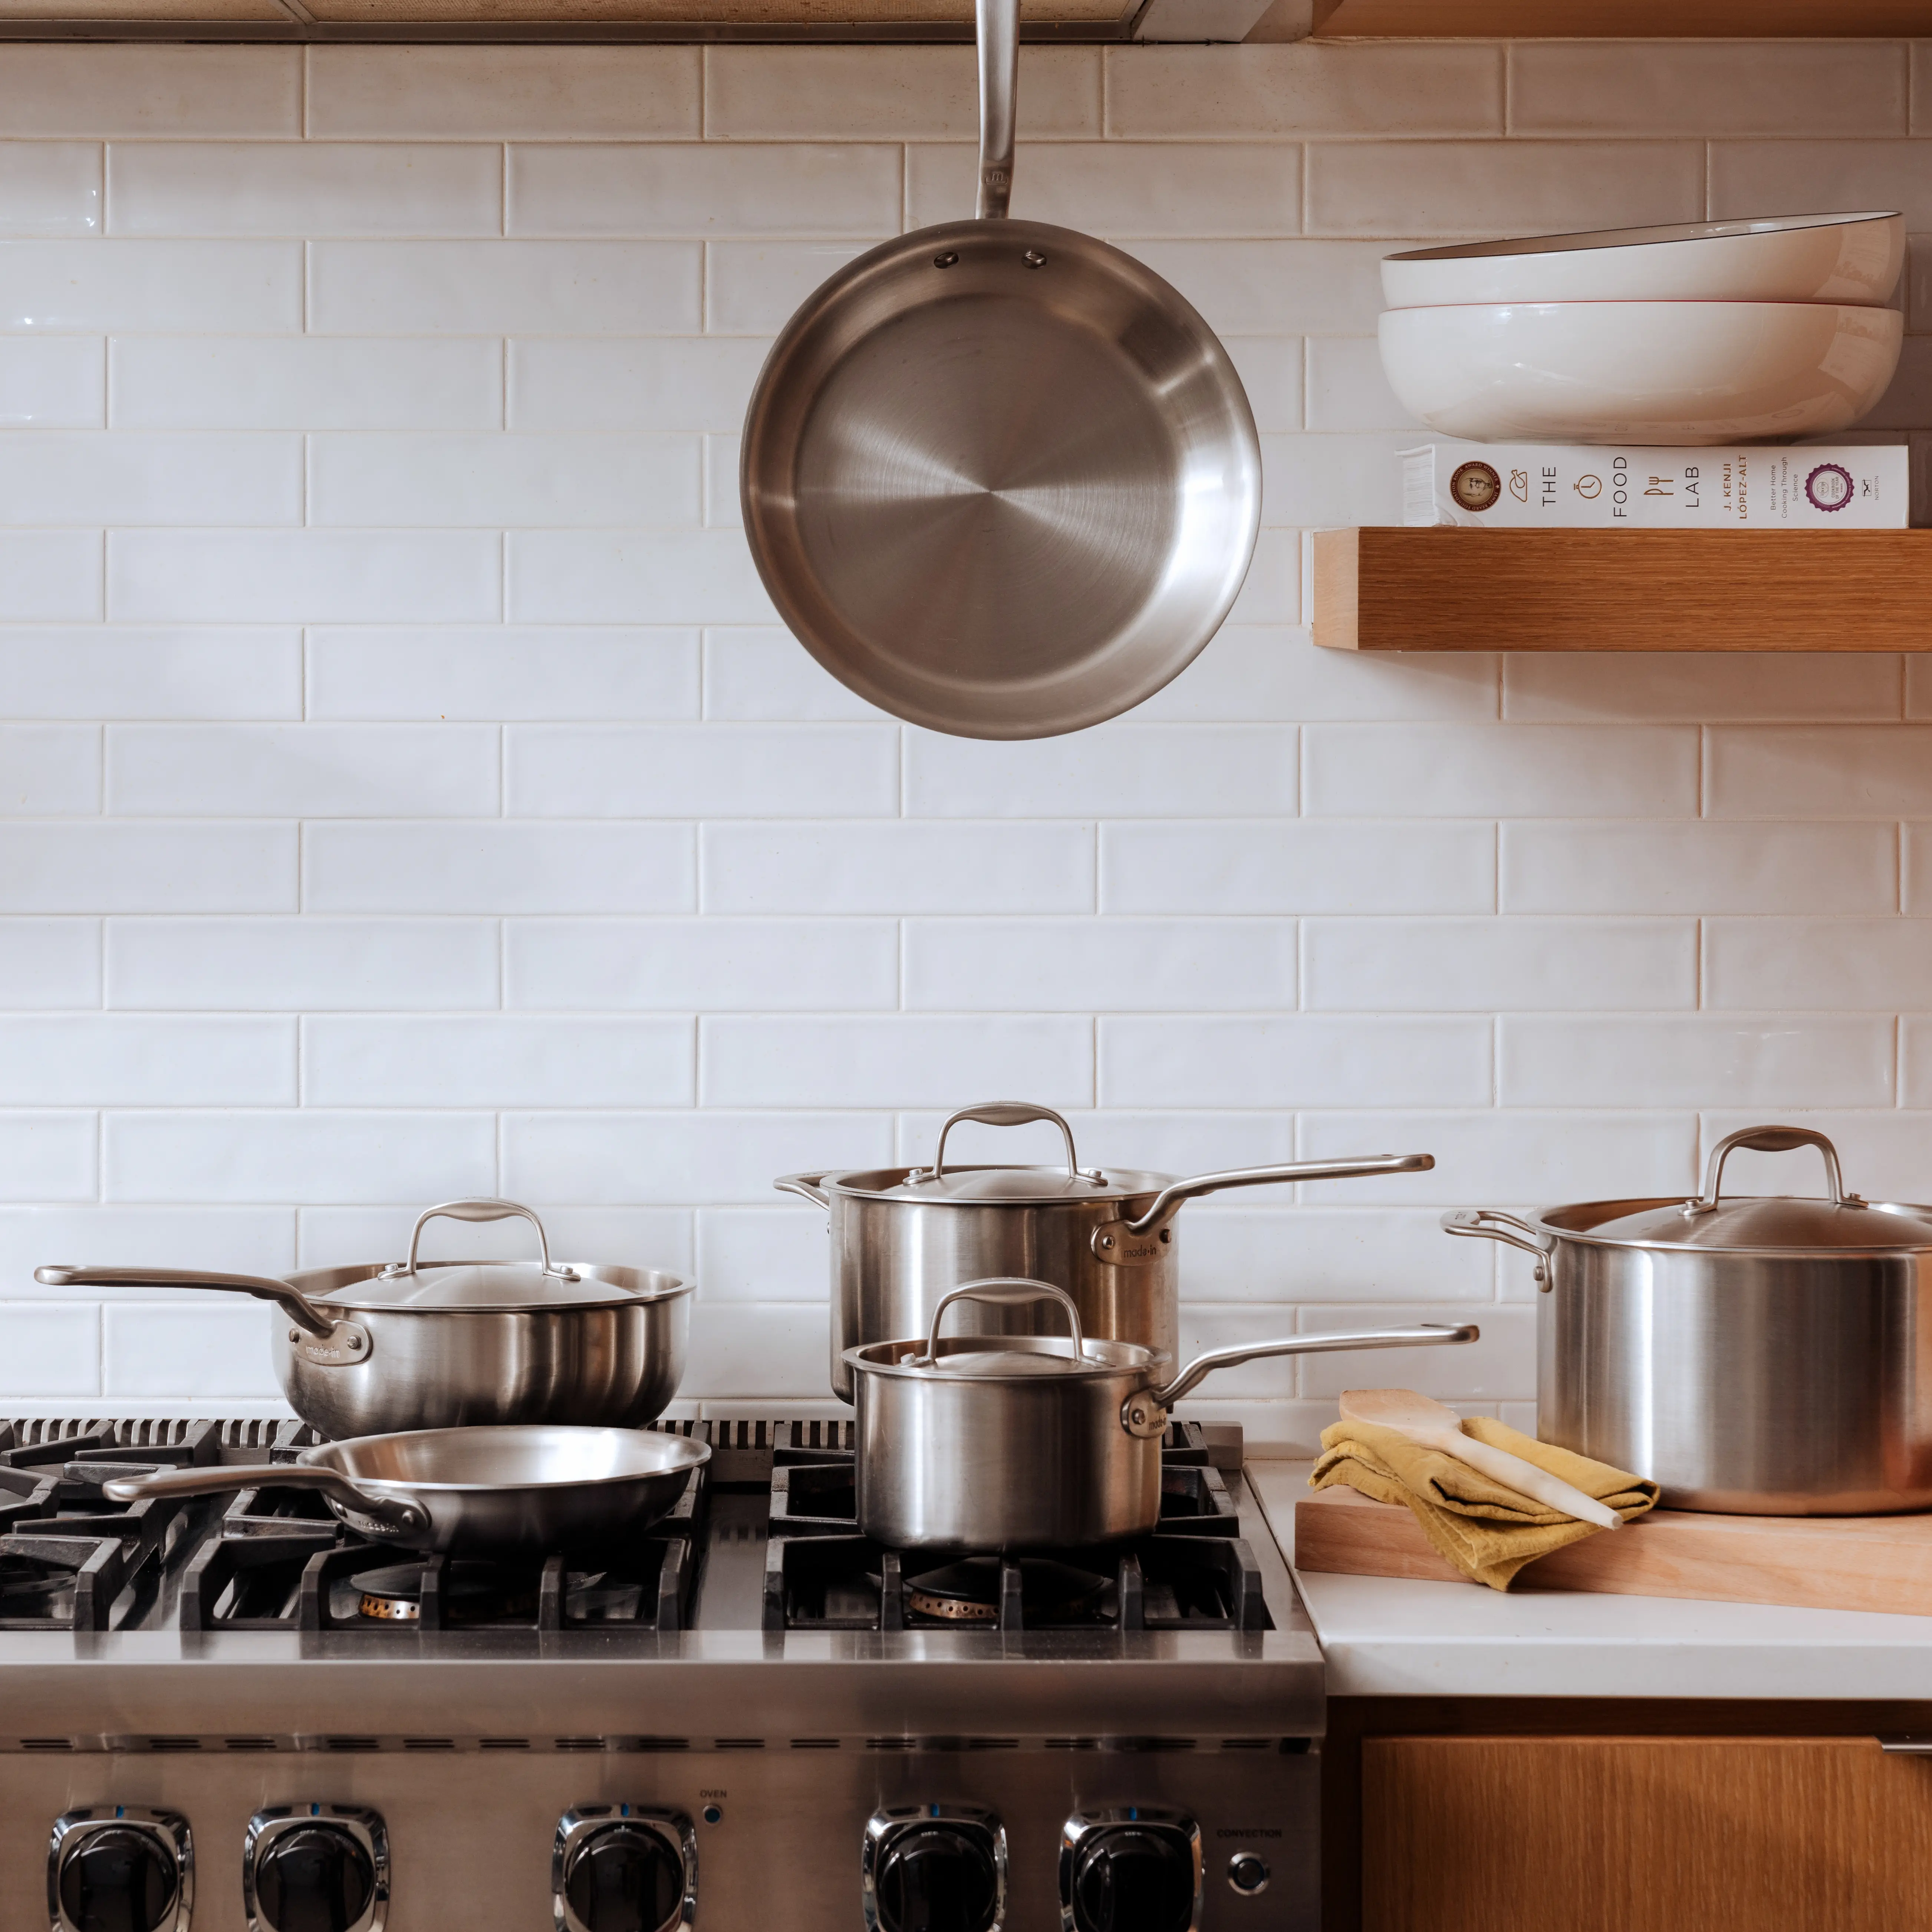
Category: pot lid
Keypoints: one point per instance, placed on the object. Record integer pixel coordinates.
(1758, 1222)
(1005, 1358)
(1001, 1183)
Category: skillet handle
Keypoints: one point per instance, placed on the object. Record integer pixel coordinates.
(296, 1306)
(1167, 1203)
(1146, 1413)
(403, 1518)
(997, 24)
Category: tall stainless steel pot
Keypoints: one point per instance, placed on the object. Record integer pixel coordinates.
(1758, 1356)
(1012, 1443)
(376, 1348)
(902, 1236)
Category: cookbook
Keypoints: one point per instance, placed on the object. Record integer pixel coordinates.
(1754, 486)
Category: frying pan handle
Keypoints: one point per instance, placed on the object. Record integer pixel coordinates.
(296, 1306)
(1145, 1414)
(1771, 1140)
(997, 30)
(214, 1480)
(1167, 1202)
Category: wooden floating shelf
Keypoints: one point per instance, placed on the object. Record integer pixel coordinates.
(1616, 20)
(1444, 589)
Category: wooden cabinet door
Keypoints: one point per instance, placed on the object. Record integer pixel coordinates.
(1644, 1834)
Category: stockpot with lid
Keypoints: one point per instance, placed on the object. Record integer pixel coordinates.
(1757, 1356)
(902, 1236)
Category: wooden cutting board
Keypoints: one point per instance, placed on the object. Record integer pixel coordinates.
(1826, 1563)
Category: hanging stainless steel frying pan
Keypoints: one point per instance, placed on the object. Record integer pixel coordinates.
(998, 477)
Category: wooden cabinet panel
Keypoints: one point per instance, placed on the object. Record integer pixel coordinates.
(1644, 1834)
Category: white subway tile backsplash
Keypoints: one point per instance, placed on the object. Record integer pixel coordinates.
(231, 1241)
(1566, 687)
(51, 1348)
(494, 288)
(340, 576)
(751, 288)
(1498, 965)
(303, 381)
(63, 476)
(1347, 389)
(493, 480)
(1304, 866)
(376, 673)
(1304, 89)
(1838, 964)
(490, 866)
(105, 1060)
(50, 576)
(501, 1061)
(892, 1060)
(1508, 188)
(1694, 1059)
(1272, 1255)
(1252, 671)
(655, 1238)
(704, 189)
(1500, 1366)
(1120, 189)
(762, 1254)
(1276, 288)
(1747, 177)
(760, 674)
(502, 93)
(662, 383)
(53, 381)
(1085, 965)
(51, 1156)
(1312, 480)
(1826, 771)
(75, 673)
(1700, 865)
(737, 771)
(1570, 771)
(742, 965)
(704, 1156)
(328, 771)
(78, 867)
(626, 576)
(49, 187)
(1269, 368)
(184, 187)
(858, 866)
(50, 962)
(48, 770)
(140, 87)
(278, 965)
(758, 1352)
(151, 287)
(211, 1349)
(299, 1156)
(1185, 771)
(1294, 1059)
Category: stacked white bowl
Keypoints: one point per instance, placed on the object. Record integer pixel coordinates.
(1708, 332)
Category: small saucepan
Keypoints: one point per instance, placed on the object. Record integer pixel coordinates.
(1017, 1442)
(454, 1490)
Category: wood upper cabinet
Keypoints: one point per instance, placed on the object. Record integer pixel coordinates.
(1644, 1834)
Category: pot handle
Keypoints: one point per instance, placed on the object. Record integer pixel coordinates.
(1771, 1140)
(1003, 1114)
(997, 29)
(1146, 1413)
(296, 1306)
(1493, 1224)
(478, 1209)
(1167, 1203)
(1002, 1288)
(407, 1519)
(811, 1186)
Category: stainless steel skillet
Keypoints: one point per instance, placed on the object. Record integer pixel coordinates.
(458, 1489)
(999, 477)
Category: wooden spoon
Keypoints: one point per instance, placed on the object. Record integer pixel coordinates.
(1437, 1426)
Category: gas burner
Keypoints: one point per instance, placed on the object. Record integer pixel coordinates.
(472, 1593)
(968, 1591)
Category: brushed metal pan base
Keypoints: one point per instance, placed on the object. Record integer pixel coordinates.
(1000, 479)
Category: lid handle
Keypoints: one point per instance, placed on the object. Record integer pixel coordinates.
(1003, 1114)
(1008, 1287)
(1771, 1140)
(478, 1209)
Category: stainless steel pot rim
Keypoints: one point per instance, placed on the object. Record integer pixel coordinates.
(1042, 1184)
(1558, 1223)
(665, 1454)
(1099, 1358)
(613, 1290)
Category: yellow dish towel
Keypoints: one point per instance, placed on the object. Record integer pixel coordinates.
(1487, 1530)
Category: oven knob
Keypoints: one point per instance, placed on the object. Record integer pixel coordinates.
(936, 1878)
(316, 1878)
(118, 1878)
(625, 1878)
(1133, 1878)
(1247, 1874)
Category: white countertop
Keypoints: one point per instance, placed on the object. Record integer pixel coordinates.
(1384, 1636)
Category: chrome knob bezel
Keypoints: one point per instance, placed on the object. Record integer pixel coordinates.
(581, 1822)
(893, 1822)
(1084, 1825)
(358, 1822)
(169, 1829)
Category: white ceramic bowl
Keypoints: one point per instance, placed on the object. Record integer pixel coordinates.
(1825, 258)
(1703, 372)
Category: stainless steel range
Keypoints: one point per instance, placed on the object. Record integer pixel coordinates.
(231, 1712)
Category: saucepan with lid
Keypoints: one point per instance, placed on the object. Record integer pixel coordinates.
(454, 1490)
(375, 1347)
(902, 1236)
(1017, 1442)
(1757, 1355)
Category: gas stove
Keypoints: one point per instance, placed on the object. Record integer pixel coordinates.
(232, 1712)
